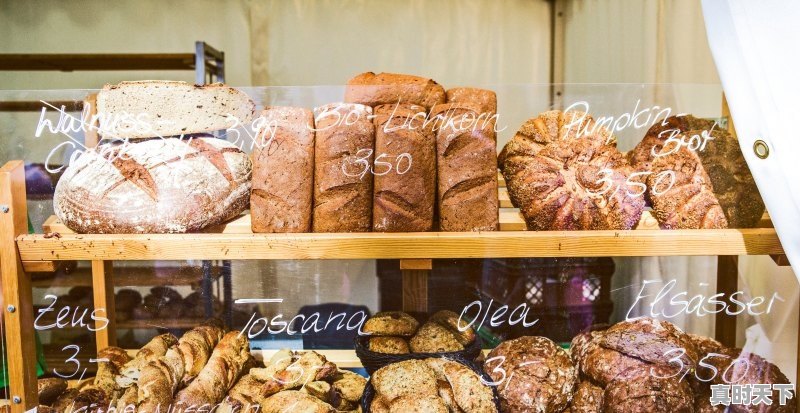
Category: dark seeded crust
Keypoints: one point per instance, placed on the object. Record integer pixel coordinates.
(651, 340)
(642, 155)
(705, 345)
(283, 172)
(603, 365)
(389, 88)
(388, 345)
(404, 202)
(580, 344)
(690, 203)
(588, 398)
(748, 368)
(560, 188)
(732, 181)
(544, 377)
(391, 323)
(648, 390)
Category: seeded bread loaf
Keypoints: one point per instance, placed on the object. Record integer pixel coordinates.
(390, 88)
(405, 170)
(466, 155)
(154, 186)
(161, 108)
(342, 152)
(283, 172)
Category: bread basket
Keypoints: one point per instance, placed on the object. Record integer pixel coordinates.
(369, 391)
(372, 360)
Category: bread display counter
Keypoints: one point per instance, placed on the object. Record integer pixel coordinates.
(470, 198)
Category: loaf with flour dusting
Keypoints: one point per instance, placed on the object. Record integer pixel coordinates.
(161, 108)
(154, 186)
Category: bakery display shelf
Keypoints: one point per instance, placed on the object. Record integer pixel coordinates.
(130, 277)
(234, 240)
(180, 323)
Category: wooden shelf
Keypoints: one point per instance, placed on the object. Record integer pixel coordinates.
(130, 277)
(105, 61)
(235, 241)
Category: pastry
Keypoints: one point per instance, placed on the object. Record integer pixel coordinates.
(405, 170)
(283, 171)
(154, 186)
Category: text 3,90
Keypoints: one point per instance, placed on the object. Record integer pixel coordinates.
(360, 162)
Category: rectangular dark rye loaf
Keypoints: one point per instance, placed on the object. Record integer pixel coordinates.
(466, 149)
(345, 139)
(405, 170)
(283, 171)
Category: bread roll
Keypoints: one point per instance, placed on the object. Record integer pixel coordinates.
(283, 172)
(405, 170)
(345, 139)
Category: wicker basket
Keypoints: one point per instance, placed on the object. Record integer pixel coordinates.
(369, 391)
(372, 361)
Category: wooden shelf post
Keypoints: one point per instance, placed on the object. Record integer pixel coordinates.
(727, 284)
(103, 290)
(415, 273)
(17, 293)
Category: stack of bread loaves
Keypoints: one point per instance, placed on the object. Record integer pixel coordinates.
(395, 332)
(371, 163)
(158, 170)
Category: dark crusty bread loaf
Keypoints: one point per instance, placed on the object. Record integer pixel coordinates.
(405, 188)
(480, 100)
(390, 88)
(154, 186)
(466, 154)
(342, 195)
(161, 108)
(283, 172)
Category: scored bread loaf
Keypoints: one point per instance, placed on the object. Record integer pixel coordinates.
(161, 108)
(219, 374)
(391, 88)
(466, 149)
(345, 140)
(154, 186)
(405, 187)
(283, 171)
(110, 361)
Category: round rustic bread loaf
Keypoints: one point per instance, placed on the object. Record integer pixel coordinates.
(741, 368)
(603, 365)
(706, 175)
(571, 184)
(651, 390)
(154, 186)
(543, 375)
(588, 398)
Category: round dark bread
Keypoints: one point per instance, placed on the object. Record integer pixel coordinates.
(651, 340)
(641, 156)
(603, 365)
(580, 344)
(705, 345)
(167, 293)
(543, 375)
(748, 368)
(49, 389)
(648, 390)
